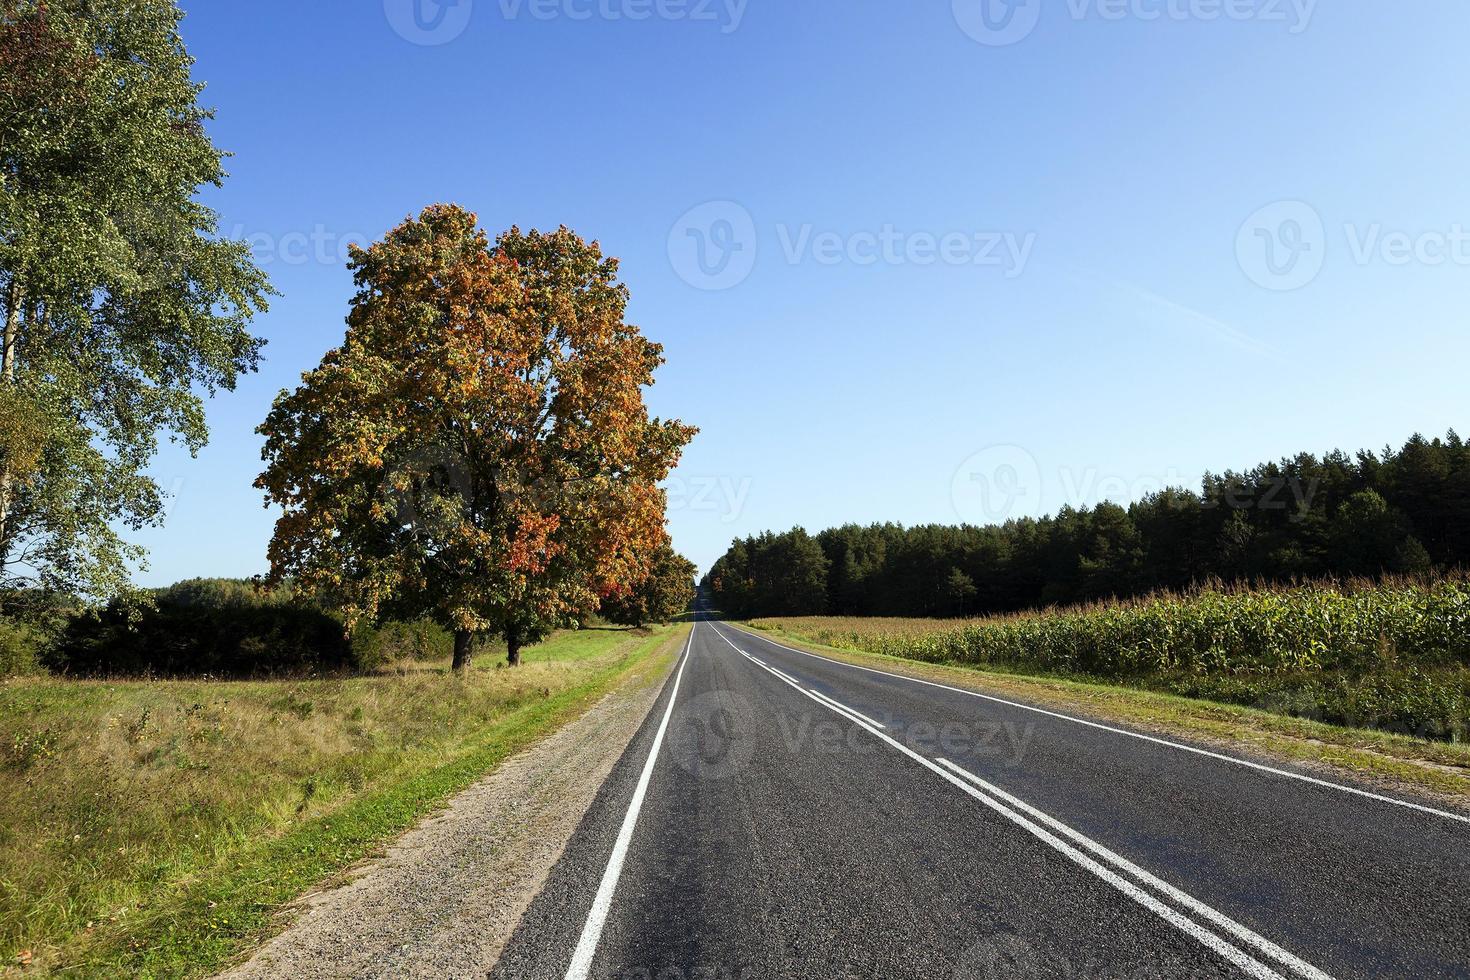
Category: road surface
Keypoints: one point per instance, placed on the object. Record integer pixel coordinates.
(784, 815)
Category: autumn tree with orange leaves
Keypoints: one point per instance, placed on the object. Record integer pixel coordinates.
(478, 449)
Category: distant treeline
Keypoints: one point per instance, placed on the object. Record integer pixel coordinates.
(1402, 512)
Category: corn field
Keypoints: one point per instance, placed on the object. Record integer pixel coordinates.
(1393, 656)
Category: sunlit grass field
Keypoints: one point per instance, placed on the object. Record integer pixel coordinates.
(150, 828)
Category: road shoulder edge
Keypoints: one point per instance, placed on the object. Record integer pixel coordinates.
(313, 931)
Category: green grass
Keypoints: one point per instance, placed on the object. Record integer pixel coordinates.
(154, 829)
(1436, 769)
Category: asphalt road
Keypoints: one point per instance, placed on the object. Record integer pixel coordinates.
(784, 815)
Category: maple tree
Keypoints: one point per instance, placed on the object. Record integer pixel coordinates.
(478, 449)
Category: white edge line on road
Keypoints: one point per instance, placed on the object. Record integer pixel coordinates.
(781, 674)
(1242, 960)
(581, 964)
(1123, 731)
(852, 711)
(1243, 933)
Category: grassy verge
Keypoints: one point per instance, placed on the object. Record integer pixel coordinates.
(1391, 655)
(1436, 769)
(154, 829)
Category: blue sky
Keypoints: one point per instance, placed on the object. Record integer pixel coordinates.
(954, 266)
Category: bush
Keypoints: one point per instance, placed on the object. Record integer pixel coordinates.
(203, 627)
(374, 647)
(21, 648)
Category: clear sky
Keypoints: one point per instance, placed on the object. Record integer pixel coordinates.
(910, 261)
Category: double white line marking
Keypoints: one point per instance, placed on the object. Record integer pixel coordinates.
(1207, 925)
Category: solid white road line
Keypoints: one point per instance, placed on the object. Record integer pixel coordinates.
(833, 702)
(1301, 777)
(1204, 911)
(597, 918)
(1241, 959)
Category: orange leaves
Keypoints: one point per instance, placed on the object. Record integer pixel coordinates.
(478, 448)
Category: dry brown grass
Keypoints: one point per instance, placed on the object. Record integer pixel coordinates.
(114, 794)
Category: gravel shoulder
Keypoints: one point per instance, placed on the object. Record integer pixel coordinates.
(445, 898)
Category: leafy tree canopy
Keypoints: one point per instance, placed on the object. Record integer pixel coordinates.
(122, 306)
(667, 591)
(478, 449)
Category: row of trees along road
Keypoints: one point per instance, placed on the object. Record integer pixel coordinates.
(477, 450)
(1404, 511)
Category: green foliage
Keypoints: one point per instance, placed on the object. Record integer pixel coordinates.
(1393, 656)
(122, 305)
(1399, 512)
(203, 627)
(389, 643)
(772, 575)
(21, 648)
(478, 450)
(665, 593)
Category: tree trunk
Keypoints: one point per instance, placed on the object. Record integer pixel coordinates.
(513, 647)
(7, 376)
(462, 640)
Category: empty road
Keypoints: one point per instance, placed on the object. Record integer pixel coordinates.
(784, 815)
